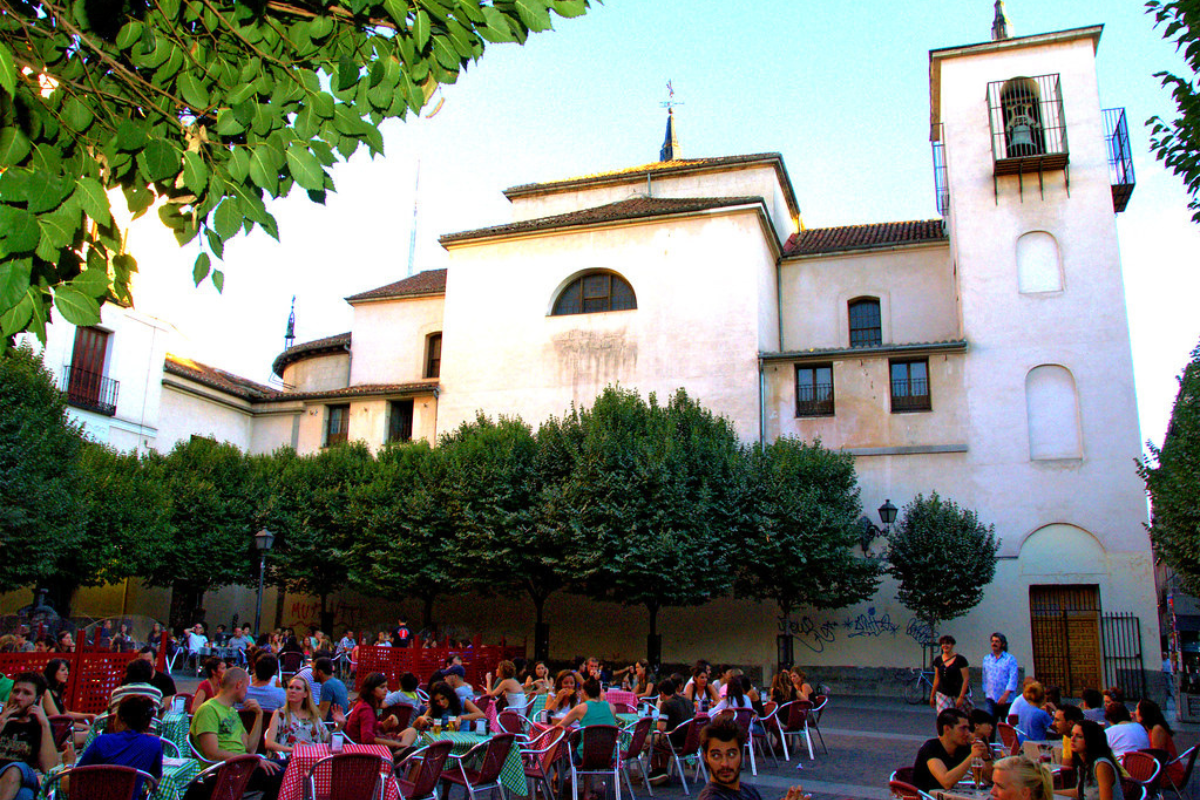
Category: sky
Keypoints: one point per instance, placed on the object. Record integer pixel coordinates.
(840, 89)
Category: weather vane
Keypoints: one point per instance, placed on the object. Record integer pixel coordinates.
(670, 102)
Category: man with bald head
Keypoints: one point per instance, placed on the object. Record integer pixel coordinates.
(218, 735)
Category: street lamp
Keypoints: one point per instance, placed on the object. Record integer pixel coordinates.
(887, 515)
(264, 540)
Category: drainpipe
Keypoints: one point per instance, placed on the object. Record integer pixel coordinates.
(762, 403)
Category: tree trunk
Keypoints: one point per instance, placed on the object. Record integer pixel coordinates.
(326, 616)
(653, 640)
(185, 605)
(427, 611)
(60, 594)
(541, 631)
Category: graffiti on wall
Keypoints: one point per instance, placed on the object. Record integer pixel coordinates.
(817, 636)
(920, 631)
(303, 614)
(870, 624)
(810, 633)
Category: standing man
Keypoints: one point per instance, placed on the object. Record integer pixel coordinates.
(26, 741)
(218, 734)
(402, 636)
(999, 678)
(721, 743)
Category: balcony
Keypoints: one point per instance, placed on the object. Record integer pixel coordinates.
(941, 186)
(90, 391)
(814, 400)
(1120, 157)
(1028, 126)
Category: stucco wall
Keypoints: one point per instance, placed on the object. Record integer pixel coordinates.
(189, 409)
(318, 373)
(390, 339)
(696, 325)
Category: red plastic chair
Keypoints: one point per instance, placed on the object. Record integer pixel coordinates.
(62, 727)
(794, 721)
(231, 777)
(1008, 736)
(538, 758)
(352, 776)
(690, 749)
(488, 775)
(820, 701)
(639, 732)
(906, 791)
(247, 717)
(1132, 790)
(402, 712)
(768, 725)
(99, 782)
(597, 749)
(290, 663)
(426, 770)
(1188, 758)
(1143, 768)
(512, 722)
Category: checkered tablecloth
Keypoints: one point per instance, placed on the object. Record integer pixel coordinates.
(173, 727)
(175, 779)
(513, 773)
(305, 755)
(621, 696)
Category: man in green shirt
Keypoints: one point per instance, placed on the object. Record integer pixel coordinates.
(218, 735)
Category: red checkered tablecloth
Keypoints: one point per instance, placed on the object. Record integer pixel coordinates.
(621, 696)
(305, 755)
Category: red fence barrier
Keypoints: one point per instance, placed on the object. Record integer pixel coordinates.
(94, 674)
(478, 660)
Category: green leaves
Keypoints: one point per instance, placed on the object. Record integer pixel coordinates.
(215, 108)
(1177, 143)
(76, 307)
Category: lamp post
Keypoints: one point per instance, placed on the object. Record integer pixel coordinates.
(263, 541)
(887, 515)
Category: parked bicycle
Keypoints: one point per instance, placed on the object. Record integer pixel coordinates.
(918, 685)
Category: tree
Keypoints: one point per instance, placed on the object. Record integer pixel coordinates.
(656, 500)
(799, 551)
(215, 507)
(1172, 476)
(407, 546)
(212, 106)
(125, 528)
(41, 517)
(316, 520)
(943, 557)
(1177, 143)
(505, 486)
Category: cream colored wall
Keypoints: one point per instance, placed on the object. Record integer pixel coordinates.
(862, 405)
(318, 373)
(1083, 328)
(915, 287)
(736, 181)
(390, 339)
(186, 413)
(696, 325)
(275, 426)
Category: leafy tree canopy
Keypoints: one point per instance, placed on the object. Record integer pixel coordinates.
(41, 516)
(1177, 143)
(1172, 476)
(213, 106)
(800, 548)
(943, 558)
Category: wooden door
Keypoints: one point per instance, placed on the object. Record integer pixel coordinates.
(1065, 626)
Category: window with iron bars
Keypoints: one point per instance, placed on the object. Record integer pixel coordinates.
(910, 385)
(814, 390)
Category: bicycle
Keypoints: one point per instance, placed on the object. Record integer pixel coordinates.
(918, 685)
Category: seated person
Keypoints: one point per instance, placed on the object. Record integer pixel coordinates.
(1123, 733)
(592, 711)
(1033, 720)
(126, 742)
(214, 670)
(406, 695)
(721, 745)
(1093, 705)
(136, 683)
(673, 710)
(218, 734)
(942, 762)
(263, 688)
(334, 699)
(363, 725)
(26, 741)
(1066, 717)
(445, 706)
(983, 727)
(161, 680)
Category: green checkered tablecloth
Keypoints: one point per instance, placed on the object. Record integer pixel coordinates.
(513, 773)
(173, 727)
(177, 774)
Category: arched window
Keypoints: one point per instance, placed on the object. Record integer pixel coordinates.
(866, 329)
(593, 292)
(1052, 408)
(1038, 266)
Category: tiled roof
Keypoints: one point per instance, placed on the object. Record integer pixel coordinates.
(429, 282)
(856, 237)
(634, 208)
(218, 378)
(298, 351)
(364, 390)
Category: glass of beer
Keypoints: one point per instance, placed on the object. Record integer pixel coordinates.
(977, 772)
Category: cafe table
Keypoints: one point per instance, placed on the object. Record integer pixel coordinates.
(172, 727)
(962, 791)
(176, 775)
(305, 755)
(1035, 750)
(512, 774)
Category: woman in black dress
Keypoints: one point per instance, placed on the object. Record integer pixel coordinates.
(951, 678)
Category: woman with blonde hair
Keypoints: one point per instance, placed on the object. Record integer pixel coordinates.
(506, 684)
(1018, 778)
(804, 691)
(298, 722)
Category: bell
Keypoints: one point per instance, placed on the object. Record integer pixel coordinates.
(1020, 137)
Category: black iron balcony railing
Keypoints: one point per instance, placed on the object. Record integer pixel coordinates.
(911, 395)
(91, 391)
(814, 400)
(1120, 157)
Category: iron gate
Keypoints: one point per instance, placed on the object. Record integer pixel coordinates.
(1123, 665)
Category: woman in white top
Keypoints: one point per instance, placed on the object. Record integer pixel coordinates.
(506, 684)
(1094, 763)
(298, 722)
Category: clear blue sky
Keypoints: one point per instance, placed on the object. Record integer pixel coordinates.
(840, 89)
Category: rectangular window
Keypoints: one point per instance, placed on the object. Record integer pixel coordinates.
(87, 387)
(433, 356)
(814, 390)
(337, 425)
(866, 328)
(910, 385)
(400, 421)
